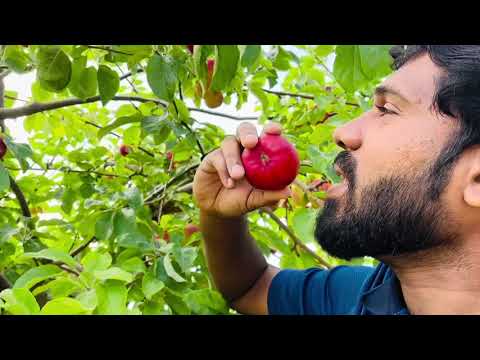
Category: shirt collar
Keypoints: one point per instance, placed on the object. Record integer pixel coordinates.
(382, 294)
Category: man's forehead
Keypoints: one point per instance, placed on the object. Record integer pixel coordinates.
(415, 80)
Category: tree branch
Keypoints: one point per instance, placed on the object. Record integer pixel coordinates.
(68, 170)
(4, 73)
(296, 240)
(107, 49)
(20, 197)
(82, 247)
(35, 108)
(310, 97)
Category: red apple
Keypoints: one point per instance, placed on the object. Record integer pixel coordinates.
(166, 236)
(190, 229)
(3, 148)
(213, 99)
(210, 66)
(169, 155)
(272, 164)
(124, 150)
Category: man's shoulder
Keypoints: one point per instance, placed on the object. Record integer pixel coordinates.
(316, 290)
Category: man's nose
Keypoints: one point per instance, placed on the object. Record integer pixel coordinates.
(348, 136)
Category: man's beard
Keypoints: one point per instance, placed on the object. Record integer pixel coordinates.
(396, 215)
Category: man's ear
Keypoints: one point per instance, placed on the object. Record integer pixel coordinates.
(471, 192)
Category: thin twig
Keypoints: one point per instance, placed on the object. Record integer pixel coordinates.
(131, 84)
(295, 239)
(20, 197)
(68, 170)
(157, 190)
(107, 49)
(309, 194)
(304, 96)
(82, 247)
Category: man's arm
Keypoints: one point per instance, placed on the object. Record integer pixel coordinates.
(239, 269)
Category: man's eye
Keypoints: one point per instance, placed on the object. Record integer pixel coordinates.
(385, 111)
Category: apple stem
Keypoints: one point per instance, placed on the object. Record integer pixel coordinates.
(264, 159)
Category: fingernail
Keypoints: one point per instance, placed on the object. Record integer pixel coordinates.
(251, 139)
(230, 183)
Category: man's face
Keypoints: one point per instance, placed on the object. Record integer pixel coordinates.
(384, 206)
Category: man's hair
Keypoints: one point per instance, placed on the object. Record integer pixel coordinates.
(457, 95)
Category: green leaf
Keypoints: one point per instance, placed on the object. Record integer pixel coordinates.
(250, 55)
(35, 275)
(200, 56)
(6, 232)
(167, 263)
(154, 308)
(133, 265)
(151, 285)
(355, 66)
(282, 60)
(54, 255)
(64, 306)
(324, 50)
(119, 122)
(113, 273)
(205, 302)
(20, 151)
(4, 178)
(19, 302)
(68, 198)
(177, 305)
(303, 224)
(83, 82)
(108, 83)
(124, 221)
(185, 257)
(16, 58)
(227, 57)
(104, 226)
(60, 287)
(96, 261)
(290, 261)
(134, 197)
(112, 298)
(162, 77)
(135, 240)
(54, 68)
(157, 126)
(88, 299)
(376, 60)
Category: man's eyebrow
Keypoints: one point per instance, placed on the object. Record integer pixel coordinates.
(386, 90)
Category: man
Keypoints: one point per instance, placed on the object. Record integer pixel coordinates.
(410, 198)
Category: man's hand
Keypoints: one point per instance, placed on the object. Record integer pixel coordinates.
(220, 187)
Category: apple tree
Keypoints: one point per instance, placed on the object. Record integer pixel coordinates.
(96, 209)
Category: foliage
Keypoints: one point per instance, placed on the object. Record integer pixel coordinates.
(93, 241)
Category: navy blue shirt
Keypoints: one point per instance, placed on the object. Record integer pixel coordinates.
(343, 290)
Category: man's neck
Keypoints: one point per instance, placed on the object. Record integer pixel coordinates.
(447, 282)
